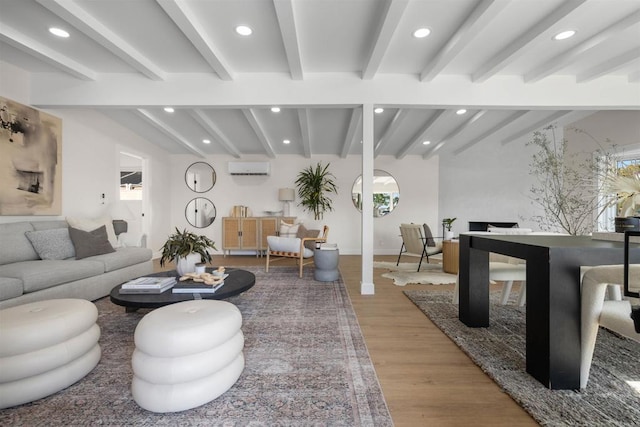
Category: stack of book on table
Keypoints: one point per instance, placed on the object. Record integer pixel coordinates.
(191, 287)
(148, 285)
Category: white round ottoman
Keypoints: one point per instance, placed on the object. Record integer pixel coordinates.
(186, 355)
(45, 347)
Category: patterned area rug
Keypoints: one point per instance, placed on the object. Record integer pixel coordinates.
(406, 273)
(612, 397)
(306, 364)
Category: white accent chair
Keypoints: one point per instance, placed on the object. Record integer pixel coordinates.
(293, 247)
(415, 243)
(614, 315)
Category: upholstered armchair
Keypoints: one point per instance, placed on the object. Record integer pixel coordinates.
(418, 241)
(300, 247)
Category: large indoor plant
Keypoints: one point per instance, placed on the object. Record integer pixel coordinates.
(186, 249)
(314, 186)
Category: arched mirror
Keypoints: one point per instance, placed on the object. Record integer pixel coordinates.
(386, 193)
(200, 177)
(200, 212)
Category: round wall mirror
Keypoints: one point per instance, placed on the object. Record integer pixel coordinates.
(200, 212)
(200, 177)
(386, 193)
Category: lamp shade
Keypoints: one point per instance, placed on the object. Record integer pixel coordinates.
(286, 194)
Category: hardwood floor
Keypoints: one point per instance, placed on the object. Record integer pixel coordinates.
(425, 378)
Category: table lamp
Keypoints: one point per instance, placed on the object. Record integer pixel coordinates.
(286, 195)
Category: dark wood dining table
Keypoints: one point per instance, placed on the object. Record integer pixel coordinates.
(553, 294)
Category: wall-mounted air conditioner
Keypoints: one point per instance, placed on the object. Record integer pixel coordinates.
(249, 168)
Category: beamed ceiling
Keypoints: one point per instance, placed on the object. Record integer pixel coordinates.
(321, 61)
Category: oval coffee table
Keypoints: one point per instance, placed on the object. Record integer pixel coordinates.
(237, 282)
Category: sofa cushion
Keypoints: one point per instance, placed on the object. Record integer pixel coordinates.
(90, 243)
(86, 224)
(15, 245)
(288, 230)
(10, 288)
(122, 257)
(42, 274)
(53, 243)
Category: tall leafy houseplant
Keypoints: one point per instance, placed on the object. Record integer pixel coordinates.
(314, 186)
(181, 244)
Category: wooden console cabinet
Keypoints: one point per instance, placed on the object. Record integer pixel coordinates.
(250, 233)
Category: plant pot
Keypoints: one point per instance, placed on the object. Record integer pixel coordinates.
(448, 235)
(187, 264)
(627, 223)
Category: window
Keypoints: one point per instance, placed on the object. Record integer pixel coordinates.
(130, 185)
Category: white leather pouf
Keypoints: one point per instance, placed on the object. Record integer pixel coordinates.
(45, 347)
(186, 355)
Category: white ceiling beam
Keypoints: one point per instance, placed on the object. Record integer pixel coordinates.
(250, 115)
(565, 58)
(212, 129)
(352, 132)
(535, 126)
(419, 136)
(386, 27)
(303, 119)
(454, 133)
(190, 25)
(506, 122)
(18, 40)
(476, 22)
(395, 123)
(169, 131)
(96, 30)
(517, 48)
(609, 66)
(289, 32)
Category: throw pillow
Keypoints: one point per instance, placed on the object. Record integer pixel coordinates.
(86, 224)
(54, 243)
(90, 243)
(304, 233)
(288, 230)
(428, 235)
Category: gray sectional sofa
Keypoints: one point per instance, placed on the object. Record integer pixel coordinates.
(25, 277)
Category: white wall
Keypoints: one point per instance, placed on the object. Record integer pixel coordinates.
(418, 196)
(488, 182)
(91, 144)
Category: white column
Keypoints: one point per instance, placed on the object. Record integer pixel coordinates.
(366, 284)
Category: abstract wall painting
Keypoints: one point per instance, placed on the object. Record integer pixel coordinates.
(30, 161)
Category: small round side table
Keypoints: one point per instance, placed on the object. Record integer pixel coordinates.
(326, 262)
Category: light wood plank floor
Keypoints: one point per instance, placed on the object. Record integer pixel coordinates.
(425, 378)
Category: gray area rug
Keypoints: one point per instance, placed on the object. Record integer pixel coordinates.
(499, 350)
(306, 364)
(406, 273)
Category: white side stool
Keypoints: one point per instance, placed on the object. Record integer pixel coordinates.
(46, 346)
(186, 355)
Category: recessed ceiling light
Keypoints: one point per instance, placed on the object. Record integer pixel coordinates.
(421, 33)
(169, 109)
(243, 30)
(461, 111)
(378, 110)
(275, 109)
(206, 141)
(58, 32)
(564, 35)
(426, 142)
(286, 141)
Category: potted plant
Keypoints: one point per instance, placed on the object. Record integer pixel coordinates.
(447, 223)
(186, 249)
(314, 185)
